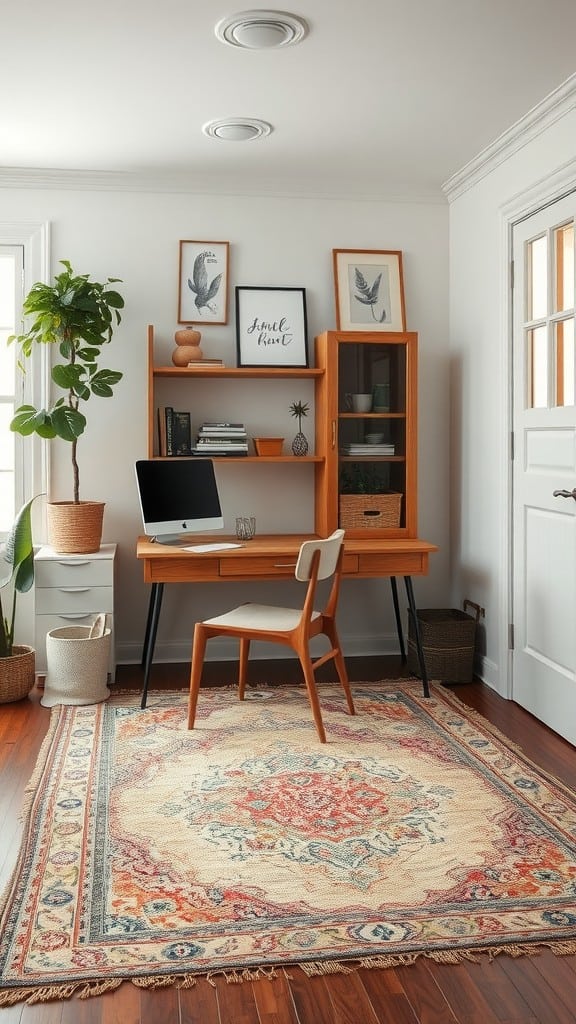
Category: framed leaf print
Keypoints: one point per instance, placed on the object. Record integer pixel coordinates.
(369, 290)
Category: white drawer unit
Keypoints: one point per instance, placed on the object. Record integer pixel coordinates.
(70, 590)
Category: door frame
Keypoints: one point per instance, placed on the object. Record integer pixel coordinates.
(540, 195)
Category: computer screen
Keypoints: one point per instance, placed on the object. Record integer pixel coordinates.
(177, 497)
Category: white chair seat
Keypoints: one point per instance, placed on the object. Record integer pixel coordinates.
(260, 616)
(296, 627)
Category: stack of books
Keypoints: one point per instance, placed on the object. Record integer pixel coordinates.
(207, 364)
(221, 439)
(174, 432)
(360, 448)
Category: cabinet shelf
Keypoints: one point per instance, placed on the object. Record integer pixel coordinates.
(238, 372)
(372, 415)
(245, 458)
(372, 458)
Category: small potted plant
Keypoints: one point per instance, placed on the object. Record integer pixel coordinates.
(17, 662)
(300, 442)
(77, 315)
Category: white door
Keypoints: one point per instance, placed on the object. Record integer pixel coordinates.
(544, 424)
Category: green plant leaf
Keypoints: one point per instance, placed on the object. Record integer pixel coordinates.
(68, 423)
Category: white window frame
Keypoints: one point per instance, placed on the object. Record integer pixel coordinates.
(31, 463)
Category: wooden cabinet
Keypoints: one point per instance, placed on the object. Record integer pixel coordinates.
(367, 480)
(365, 471)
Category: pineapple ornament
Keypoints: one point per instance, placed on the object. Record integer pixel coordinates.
(300, 442)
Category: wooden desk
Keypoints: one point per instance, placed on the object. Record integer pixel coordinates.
(273, 557)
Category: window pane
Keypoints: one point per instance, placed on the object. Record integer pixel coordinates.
(538, 368)
(11, 266)
(565, 362)
(564, 246)
(7, 362)
(538, 278)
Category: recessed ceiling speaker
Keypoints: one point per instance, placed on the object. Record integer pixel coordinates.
(237, 129)
(261, 30)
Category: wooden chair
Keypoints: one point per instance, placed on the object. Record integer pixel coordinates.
(317, 560)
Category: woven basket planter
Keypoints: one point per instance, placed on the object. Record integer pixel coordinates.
(17, 674)
(370, 511)
(75, 528)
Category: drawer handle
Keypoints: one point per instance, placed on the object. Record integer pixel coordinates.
(74, 615)
(284, 565)
(83, 561)
(74, 590)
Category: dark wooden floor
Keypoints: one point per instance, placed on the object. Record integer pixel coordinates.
(528, 990)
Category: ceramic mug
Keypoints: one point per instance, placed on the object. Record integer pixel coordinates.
(359, 403)
(381, 398)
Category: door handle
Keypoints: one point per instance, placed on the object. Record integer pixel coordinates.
(565, 494)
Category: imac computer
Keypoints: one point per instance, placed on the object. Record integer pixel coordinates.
(178, 497)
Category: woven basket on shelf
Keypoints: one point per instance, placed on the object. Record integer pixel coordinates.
(17, 674)
(370, 511)
(75, 528)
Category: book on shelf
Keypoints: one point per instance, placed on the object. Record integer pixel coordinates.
(368, 449)
(181, 433)
(224, 435)
(165, 415)
(162, 445)
(209, 427)
(219, 450)
(216, 441)
(206, 362)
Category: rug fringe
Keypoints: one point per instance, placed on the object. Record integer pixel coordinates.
(312, 969)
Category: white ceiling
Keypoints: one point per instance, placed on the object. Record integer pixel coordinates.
(381, 97)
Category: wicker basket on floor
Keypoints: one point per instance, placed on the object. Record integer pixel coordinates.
(17, 674)
(448, 638)
(370, 511)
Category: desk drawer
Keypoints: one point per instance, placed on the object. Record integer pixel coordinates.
(258, 565)
(272, 565)
(70, 572)
(393, 563)
(53, 600)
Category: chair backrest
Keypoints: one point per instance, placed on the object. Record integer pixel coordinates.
(329, 550)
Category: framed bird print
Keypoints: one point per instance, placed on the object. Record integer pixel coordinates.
(203, 282)
(369, 290)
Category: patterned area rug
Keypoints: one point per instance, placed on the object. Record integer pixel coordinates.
(157, 854)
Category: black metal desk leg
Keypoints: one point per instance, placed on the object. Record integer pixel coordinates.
(398, 619)
(417, 637)
(150, 636)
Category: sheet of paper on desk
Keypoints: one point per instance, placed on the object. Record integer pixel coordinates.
(209, 547)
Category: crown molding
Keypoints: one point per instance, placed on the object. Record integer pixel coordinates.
(555, 106)
(185, 183)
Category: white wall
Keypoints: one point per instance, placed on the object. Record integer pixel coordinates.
(479, 371)
(274, 241)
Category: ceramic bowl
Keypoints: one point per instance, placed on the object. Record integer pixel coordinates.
(374, 438)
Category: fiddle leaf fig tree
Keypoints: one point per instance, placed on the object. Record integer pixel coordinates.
(78, 315)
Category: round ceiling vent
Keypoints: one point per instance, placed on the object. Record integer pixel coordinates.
(237, 129)
(261, 30)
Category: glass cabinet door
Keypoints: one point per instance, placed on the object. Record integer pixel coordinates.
(371, 381)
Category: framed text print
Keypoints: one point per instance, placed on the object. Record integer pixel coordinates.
(271, 327)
